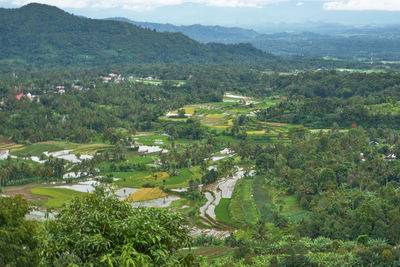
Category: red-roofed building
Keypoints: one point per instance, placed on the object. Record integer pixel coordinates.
(19, 96)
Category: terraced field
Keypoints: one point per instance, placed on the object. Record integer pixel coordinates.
(37, 149)
(146, 194)
(57, 196)
(242, 207)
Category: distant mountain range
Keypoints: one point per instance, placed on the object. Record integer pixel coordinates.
(200, 33)
(332, 41)
(45, 35)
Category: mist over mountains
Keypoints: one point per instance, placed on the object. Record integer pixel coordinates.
(382, 43)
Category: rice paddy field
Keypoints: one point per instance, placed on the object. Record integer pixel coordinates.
(251, 200)
(56, 196)
(6, 144)
(146, 194)
(242, 207)
(37, 149)
(222, 212)
(139, 178)
(157, 82)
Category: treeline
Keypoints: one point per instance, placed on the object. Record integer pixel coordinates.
(347, 184)
(81, 115)
(324, 99)
(340, 177)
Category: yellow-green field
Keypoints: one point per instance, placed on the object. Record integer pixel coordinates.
(146, 194)
(6, 144)
(188, 110)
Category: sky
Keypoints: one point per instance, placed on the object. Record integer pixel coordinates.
(233, 12)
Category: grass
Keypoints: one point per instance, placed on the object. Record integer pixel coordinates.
(135, 179)
(262, 199)
(269, 200)
(188, 110)
(229, 139)
(222, 212)
(153, 140)
(58, 196)
(255, 132)
(215, 116)
(184, 176)
(134, 158)
(242, 207)
(146, 194)
(139, 178)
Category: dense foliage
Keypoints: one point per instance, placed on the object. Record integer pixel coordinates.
(323, 197)
(322, 99)
(19, 238)
(99, 229)
(47, 36)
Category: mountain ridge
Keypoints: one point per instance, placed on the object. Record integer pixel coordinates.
(344, 43)
(43, 35)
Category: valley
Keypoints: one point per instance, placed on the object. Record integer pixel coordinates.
(122, 145)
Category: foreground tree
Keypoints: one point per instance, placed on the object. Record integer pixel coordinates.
(99, 230)
(19, 240)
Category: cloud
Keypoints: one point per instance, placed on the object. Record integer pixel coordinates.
(384, 5)
(58, 3)
(140, 5)
(300, 3)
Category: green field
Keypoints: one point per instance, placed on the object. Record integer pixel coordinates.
(133, 179)
(269, 200)
(242, 207)
(152, 140)
(137, 179)
(262, 199)
(222, 212)
(182, 180)
(58, 196)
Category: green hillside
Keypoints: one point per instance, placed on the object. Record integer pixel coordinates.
(45, 35)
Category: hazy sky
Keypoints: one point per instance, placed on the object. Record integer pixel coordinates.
(233, 12)
(143, 5)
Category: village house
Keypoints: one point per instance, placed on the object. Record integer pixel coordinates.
(20, 96)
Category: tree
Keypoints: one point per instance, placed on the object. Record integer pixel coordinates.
(19, 242)
(98, 229)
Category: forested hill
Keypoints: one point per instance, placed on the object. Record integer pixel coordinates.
(43, 35)
(201, 33)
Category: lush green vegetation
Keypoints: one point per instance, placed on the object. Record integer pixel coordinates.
(242, 207)
(99, 229)
(46, 30)
(19, 239)
(321, 196)
(58, 196)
